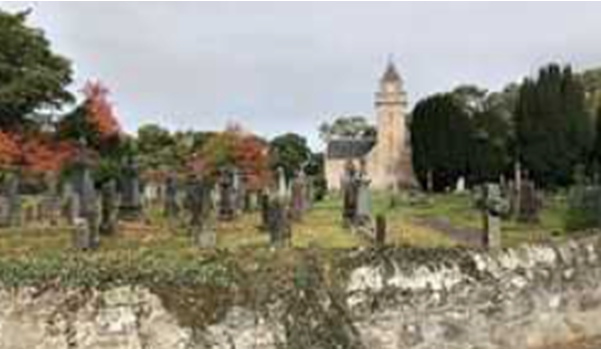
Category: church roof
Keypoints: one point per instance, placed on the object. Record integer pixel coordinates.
(349, 148)
(391, 74)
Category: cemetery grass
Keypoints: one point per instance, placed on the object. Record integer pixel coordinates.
(320, 228)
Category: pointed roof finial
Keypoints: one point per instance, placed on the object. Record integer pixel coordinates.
(391, 74)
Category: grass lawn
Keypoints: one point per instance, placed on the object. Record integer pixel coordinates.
(321, 227)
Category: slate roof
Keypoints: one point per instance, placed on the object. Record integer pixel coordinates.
(349, 148)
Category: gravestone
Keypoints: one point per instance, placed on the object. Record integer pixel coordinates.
(70, 202)
(108, 205)
(282, 186)
(226, 205)
(298, 197)
(309, 193)
(493, 206)
(13, 198)
(171, 207)
(86, 222)
(460, 186)
(130, 206)
(349, 194)
(363, 198)
(237, 190)
(380, 238)
(197, 204)
(264, 204)
(530, 202)
(280, 232)
(4, 212)
(249, 201)
(53, 201)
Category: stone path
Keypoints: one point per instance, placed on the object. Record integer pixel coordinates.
(466, 236)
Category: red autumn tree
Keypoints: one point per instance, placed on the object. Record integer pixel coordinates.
(234, 147)
(43, 155)
(10, 151)
(100, 111)
(250, 155)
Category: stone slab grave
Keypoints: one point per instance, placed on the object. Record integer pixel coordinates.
(278, 221)
(130, 206)
(226, 205)
(197, 203)
(108, 211)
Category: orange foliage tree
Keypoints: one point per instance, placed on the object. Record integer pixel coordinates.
(10, 151)
(234, 147)
(34, 153)
(100, 111)
(42, 155)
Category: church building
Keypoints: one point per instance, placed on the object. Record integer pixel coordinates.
(387, 158)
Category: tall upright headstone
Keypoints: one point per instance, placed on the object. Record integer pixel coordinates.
(108, 204)
(363, 198)
(280, 231)
(10, 208)
(86, 221)
(493, 207)
(226, 204)
(131, 201)
(14, 198)
(282, 185)
(349, 194)
(197, 204)
(171, 207)
(298, 196)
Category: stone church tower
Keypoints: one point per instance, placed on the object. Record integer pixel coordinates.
(390, 166)
(388, 157)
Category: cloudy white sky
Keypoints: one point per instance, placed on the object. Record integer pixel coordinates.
(278, 67)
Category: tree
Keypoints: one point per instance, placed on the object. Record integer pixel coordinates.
(289, 151)
(94, 121)
(441, 140)
(596, 149)
(32, 77)
(41, 154)
(491, 139)
(10, 151)
(591, 80)
(347, 127)
(470, 97)
(553, 126)
(246, 152)
(156, 149)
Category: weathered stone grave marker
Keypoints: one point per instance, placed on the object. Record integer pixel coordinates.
(171, 207)
(108, 205)
(197, 203)
(493, 206)
(130, 206)
(226, 204)
(280, 231)
(349, 195)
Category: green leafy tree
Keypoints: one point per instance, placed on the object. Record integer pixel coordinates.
(441, 140)
(156, 148)
(596, 149)
(347, 127)
(553, 126)
(289, 151)
(32, 77)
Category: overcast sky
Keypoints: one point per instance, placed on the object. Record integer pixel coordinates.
(279, 67)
